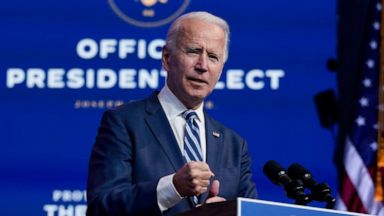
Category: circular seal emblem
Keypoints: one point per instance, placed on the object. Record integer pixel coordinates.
(148, 13)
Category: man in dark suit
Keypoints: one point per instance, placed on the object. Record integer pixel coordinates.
(143, 161)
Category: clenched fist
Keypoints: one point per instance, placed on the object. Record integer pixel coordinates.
(192, 179)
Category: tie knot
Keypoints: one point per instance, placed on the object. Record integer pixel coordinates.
(189, 115)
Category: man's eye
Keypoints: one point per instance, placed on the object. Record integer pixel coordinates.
(214, 57)
(192, 51)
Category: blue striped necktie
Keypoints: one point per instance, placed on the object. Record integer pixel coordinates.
(192, 148)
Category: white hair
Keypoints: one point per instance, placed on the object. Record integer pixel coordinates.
(174, 29)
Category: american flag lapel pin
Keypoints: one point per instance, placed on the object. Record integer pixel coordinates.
(216, 134)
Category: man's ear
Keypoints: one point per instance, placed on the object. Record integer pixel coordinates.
(165, 58)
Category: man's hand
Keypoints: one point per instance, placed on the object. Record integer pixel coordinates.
(192, 179)
(214, 192)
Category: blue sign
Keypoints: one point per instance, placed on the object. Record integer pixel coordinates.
(249, 207)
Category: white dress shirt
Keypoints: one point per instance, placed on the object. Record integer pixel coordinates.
(167, 196)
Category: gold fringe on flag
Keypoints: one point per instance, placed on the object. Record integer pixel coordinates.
(379, 195)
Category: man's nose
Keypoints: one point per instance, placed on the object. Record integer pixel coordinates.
(202, 64)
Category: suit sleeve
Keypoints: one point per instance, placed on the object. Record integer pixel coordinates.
(111, 189)
(247, 187)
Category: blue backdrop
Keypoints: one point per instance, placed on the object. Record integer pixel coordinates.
(63, 63)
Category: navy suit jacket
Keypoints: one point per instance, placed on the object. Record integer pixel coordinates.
(135, 147)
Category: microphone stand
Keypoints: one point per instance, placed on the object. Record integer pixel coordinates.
(322, 192)
(295, 190)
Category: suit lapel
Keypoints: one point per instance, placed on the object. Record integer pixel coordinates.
(159, 125)
(214, 137)
(214, 140)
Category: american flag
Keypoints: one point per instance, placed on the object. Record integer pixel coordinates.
(359, 169)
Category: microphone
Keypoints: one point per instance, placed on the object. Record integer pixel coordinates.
(320, 192)
(293, 189)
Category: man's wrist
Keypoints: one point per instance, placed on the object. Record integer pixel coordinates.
(167, 195)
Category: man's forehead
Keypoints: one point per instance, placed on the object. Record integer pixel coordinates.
(216, 47)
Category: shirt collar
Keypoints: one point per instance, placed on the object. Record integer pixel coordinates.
(173, 106)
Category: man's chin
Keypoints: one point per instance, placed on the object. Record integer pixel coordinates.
(198, 95)
(194, 100)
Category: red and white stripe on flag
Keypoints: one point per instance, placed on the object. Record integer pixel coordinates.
(360, 188)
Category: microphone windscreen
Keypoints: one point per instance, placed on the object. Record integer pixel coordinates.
(296, 171)
(273, 171)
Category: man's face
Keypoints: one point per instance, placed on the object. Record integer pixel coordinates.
(195, 64)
